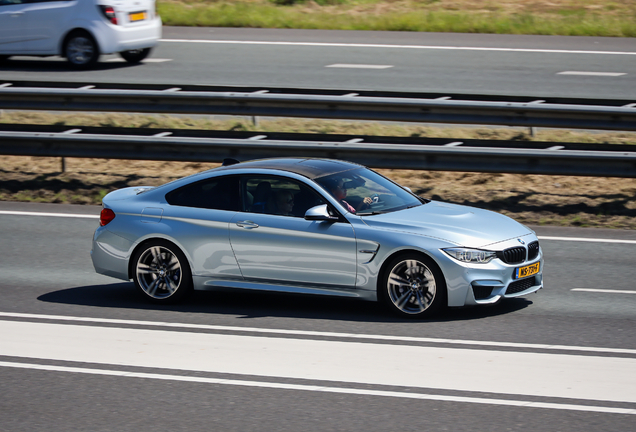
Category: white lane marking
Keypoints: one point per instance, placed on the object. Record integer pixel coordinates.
(605, 291)
(148, 60)
(162, 134)
(321, 334)
(358, 66)
(584, 239)
(517, 373)
(324, 389)
(425, 47)
(602, 74)
(66, 215)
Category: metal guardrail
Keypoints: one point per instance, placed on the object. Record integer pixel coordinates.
(349, 105)
(378, 152)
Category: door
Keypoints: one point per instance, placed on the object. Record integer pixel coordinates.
(272, 241)
(12, 24)
(47, 21)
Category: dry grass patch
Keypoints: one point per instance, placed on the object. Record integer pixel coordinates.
(531, 199)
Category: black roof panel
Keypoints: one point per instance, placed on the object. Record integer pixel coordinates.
(310, 168)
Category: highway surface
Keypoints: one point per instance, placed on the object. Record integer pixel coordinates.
(81, 351)
(541, 66)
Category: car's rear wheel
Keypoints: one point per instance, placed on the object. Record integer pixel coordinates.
(81, 50)
(161, 272)
(413, 286)
(135, 56)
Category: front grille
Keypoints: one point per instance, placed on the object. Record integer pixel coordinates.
(521, 285)
(482, 292)
(533, 250)
(513, 255)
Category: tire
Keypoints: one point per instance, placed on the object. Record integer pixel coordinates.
(135, 56)
(161, 272)
(81, 50)
(412, 286)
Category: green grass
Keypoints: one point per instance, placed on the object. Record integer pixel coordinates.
(611, 20)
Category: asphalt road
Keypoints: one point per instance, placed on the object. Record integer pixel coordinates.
(590, 67)
(81, 351)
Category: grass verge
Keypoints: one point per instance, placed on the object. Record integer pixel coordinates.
(556, 17)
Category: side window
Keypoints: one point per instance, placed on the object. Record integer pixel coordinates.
(277, 195)
(219, 193)
(11, 2)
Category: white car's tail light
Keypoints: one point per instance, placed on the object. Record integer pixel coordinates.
(109, 14)
(106, 217)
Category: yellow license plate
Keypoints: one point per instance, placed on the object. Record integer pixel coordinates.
(137, 16)
(528, 270)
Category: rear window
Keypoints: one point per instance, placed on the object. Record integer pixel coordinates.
(219, 193)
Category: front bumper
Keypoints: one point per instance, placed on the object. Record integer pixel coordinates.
(482, 284)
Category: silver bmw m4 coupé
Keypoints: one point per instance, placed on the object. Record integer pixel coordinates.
(312, 226)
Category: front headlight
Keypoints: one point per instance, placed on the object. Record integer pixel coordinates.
(474, 256)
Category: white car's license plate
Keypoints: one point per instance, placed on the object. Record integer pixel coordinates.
(529, 270)
(137, 16)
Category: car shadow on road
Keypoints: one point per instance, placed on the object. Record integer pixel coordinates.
(244, 304)
(58, 65)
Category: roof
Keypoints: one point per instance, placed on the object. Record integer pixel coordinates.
(310, 168)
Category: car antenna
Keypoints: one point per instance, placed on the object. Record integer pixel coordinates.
(230, 161)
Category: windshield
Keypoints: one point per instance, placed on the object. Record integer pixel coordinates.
(365, 192)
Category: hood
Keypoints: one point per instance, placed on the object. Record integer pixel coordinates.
(461, 225)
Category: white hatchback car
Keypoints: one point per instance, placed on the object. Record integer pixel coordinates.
(80, 30)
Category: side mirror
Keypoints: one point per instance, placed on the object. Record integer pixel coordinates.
(320, 213)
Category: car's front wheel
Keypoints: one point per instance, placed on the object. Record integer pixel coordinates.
(413, 286)
(81, 50)
(161, 272)
(135, 56)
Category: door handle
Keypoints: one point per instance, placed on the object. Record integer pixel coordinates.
(246, 224)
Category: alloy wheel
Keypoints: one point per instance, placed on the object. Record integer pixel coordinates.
(158, 272)
(411, 286)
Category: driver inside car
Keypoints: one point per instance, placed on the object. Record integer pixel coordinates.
(337, 188)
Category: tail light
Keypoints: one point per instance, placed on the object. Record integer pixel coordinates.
(106, 217)
(109, 13)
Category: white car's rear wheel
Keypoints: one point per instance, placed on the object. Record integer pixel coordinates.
(135, 56)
